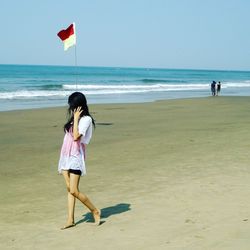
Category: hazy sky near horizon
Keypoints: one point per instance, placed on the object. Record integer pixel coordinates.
(191, 34)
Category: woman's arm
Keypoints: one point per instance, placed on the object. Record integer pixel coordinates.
(77, 113)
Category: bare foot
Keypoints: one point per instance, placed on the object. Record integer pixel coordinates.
(68, 226)
(97, 216)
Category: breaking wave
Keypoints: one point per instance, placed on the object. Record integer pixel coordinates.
(63, 90)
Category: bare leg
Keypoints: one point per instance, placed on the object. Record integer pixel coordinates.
(71, 202)
(74, 183)
(71, 208)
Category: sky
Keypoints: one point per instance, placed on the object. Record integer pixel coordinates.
(185, 34)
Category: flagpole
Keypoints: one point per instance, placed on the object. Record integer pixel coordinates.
(76, 78)
(76, 67)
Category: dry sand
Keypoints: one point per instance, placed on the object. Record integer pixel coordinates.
(167, 175)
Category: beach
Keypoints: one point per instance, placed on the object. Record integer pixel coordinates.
(170, 174)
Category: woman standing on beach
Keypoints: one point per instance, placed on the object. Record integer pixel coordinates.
(78, 132)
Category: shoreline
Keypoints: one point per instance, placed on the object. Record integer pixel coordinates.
(64, 103)
(124, 103)
(170, 174)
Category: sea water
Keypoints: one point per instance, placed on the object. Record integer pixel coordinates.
(31, 86)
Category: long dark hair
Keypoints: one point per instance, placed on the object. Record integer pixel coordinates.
(75, 100)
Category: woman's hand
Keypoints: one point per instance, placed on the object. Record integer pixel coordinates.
(77, 113)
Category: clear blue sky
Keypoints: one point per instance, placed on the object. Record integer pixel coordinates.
(198, 34)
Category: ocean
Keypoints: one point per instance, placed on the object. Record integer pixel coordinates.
(32, 86)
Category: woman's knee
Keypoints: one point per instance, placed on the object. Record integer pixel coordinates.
(74, 192)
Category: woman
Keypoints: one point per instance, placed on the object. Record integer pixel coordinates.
(78, 133)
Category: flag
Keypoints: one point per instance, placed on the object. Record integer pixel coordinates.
(68, 36)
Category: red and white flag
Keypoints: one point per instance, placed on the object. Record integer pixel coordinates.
(68, 36)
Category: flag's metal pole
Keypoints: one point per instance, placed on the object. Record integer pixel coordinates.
(76, 67)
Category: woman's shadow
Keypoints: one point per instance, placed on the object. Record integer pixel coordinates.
(106, 212)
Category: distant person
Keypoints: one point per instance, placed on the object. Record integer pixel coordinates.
(218, 88)
(78, 132)
(213, 88)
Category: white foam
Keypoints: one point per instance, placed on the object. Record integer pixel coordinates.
(22, 94)
(236, 84)
(95, 89)
(152, 87)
